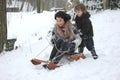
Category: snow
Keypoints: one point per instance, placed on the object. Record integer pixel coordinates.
(31, 30)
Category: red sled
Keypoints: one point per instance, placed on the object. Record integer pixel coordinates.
(51, 65)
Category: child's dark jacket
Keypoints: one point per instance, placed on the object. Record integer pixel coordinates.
(84, 24)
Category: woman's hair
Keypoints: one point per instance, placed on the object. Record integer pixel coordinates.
(63, 15)
(80, 7)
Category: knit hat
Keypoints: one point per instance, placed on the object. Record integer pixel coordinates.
(63, 15)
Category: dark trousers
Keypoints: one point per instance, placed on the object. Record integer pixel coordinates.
(57, 45)
(88, 43)
(55, 55)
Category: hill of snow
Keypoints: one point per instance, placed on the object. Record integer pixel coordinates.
(31, 31)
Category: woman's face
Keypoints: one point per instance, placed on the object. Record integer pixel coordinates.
(78, 13)
(60, 22)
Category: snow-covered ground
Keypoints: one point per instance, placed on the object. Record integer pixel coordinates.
(31, 31)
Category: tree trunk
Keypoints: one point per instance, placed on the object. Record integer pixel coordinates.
(22, 5)
(38, 2)
(3, 24)
(105, 4)
(43, 5)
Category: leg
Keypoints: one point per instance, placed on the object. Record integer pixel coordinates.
(81, 47)
(57, 45)
(53, 53)
(63, 48)
(93, 52)
(89, 43)
(57, 58)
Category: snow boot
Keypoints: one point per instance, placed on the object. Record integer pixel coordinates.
(94, 55)
(46, 66)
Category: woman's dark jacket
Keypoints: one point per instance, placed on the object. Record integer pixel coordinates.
(84, 25)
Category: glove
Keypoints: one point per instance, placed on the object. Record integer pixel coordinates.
(53, 41)
(72, 48)
(73, 44)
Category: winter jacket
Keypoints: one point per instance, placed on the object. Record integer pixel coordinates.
(64, 33)
(84, 25)
(68, 34)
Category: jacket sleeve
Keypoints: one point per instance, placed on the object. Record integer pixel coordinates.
(53, 38)
(77, 40)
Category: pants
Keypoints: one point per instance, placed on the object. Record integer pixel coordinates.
(55, 55)
(88, 43)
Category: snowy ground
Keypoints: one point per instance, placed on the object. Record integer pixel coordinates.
(31, 31)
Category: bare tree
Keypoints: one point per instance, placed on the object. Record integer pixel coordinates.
(3, 24)
(105, 4)
(43, 4)
(38, 2)
(22, 5)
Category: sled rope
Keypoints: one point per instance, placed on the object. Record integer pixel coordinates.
(62, 52)
(59, 55)
(42, 51)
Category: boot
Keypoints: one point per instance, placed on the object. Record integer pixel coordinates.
(94, 55)
(46, 66)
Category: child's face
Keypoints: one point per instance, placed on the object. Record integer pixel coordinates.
(60, 22)
(78, 13)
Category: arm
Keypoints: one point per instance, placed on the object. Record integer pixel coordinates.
(77, 39)
(86, 28)
(53, 38)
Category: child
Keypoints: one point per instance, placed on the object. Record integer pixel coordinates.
(84, 26)
(63, 37)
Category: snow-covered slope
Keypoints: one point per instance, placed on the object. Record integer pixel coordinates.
(31, 30)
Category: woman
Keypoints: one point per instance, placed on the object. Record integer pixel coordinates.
(64, 37)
